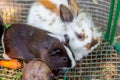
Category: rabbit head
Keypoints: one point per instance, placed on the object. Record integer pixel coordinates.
(80, 28)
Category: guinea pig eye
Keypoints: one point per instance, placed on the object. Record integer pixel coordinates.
(55, 52)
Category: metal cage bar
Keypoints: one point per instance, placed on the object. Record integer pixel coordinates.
(115, 22)
(107, 35)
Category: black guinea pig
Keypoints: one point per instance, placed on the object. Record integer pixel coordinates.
(22, 41)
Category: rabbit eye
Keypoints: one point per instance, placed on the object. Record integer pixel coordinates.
(80, 36)
(55, 52)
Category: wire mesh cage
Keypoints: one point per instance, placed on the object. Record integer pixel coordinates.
(101, 64)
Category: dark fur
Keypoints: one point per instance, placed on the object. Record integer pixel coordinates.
(1, 28)
(26, 42)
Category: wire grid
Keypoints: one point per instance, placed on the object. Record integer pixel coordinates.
(92, 67)
(102, 64)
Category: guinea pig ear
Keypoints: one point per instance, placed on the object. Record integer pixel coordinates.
(74, 7)
(65, 14)
(55, 52)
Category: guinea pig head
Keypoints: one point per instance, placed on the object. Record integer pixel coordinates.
(59, 52)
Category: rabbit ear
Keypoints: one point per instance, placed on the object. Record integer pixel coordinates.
(65, 14)
(74, 7)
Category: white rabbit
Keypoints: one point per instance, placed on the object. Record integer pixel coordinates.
(65, 17)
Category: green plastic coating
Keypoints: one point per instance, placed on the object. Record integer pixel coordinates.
(66, 71)
(115, 22)
(117, 48)
(107, 35)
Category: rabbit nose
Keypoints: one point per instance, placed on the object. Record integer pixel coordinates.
(64, 59)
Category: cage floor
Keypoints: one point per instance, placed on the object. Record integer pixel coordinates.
(102, 64)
